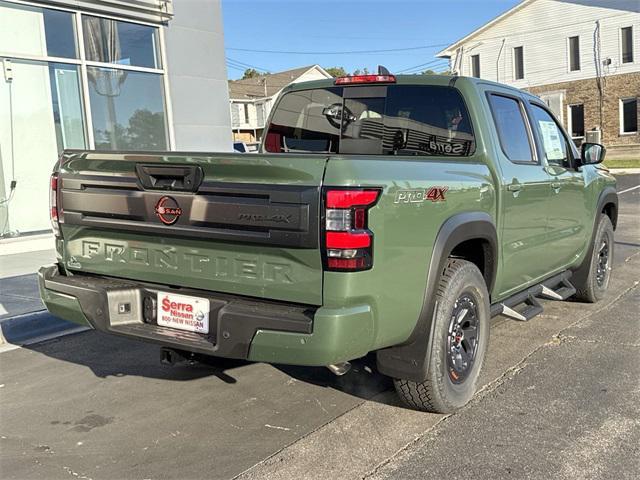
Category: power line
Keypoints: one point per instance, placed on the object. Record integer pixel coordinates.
(246, 65)
(352, 52)
(422, 65)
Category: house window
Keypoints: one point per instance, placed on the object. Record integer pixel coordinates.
(246, 113)
(518, 63)
(576, 120)
(475, 66)
(574, 54)
(629, 115)
(626, 42)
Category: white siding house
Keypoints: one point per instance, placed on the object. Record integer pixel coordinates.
(581, 56)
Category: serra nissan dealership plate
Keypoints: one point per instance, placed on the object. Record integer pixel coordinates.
(183, 312)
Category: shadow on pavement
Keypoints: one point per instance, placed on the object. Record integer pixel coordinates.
(112, 356)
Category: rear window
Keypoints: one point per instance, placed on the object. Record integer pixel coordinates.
(380, 120)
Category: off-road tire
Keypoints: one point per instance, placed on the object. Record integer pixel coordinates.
(589, 289)
(438, 393)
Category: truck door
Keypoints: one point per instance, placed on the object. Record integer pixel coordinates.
(567, 215)
(524, 192)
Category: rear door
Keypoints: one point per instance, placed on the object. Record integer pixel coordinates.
(235, 223)
(525, 192)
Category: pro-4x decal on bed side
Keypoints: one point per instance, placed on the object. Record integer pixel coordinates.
(435, 194)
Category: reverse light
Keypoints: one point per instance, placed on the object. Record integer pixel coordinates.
(348, 242)
(356, 79)
(55, 210)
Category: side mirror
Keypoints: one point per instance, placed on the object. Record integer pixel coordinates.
(592, 153)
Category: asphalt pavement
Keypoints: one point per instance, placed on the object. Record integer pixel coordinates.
(560, 399)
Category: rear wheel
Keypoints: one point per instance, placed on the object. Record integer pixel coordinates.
(461, 335)
(594, 285)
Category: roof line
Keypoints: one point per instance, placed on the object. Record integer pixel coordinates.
(444, 52)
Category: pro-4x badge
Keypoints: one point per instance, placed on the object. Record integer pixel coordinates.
(168, 210)
(419, 195)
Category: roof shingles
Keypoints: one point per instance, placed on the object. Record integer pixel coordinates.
(270, 84)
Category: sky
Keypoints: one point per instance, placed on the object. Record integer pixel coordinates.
(323, 30)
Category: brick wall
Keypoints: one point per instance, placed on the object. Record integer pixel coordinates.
(586, 92)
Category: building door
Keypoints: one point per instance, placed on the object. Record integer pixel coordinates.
(554, 100)
(40, 114)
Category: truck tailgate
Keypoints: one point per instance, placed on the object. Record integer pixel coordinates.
(233, 223)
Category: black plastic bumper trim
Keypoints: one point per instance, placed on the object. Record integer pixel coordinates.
(233, 320)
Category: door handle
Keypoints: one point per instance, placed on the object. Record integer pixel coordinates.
(514, 187)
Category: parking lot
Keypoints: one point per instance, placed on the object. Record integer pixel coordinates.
(560, 398)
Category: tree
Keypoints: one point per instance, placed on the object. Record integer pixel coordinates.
(364, 71)
(336, 71)
(433, 72)
(250, 73)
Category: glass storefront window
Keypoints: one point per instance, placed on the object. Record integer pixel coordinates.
(40, 114)
(123, 43)
(127, 109)
(43, 109)
(34, 31)
(67, 106)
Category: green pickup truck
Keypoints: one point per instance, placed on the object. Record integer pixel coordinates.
(384, 214)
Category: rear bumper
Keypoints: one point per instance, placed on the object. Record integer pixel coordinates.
(240, 328)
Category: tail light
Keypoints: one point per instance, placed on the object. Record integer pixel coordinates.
(348, 242)
(55, 209)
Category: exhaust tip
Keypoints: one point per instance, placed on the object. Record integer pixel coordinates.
(339, 369)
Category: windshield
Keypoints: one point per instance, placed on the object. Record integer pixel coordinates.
(382, 120)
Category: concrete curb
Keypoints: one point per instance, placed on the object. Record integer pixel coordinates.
(30, 327)
(624, 171)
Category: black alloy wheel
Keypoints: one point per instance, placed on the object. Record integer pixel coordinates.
(462, 340)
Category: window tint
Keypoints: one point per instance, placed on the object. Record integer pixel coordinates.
(475, 66)
(112, 41)
(306, 121)
(127, 109)
(577, 120)
(627, 44)
(518, 63)
(554, 144)
(50, 32)
(629, 115)
(574, 53)
(511, 127)
(410, 120)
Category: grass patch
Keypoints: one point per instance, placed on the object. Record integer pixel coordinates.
(623, 163)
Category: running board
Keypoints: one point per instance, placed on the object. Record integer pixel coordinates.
(557, 287)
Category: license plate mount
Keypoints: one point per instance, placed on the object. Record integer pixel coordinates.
(183, 312)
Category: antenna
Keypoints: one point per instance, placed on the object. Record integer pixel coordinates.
(383, 70)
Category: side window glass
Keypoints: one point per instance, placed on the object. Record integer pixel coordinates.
(512, 130)
(554, 144)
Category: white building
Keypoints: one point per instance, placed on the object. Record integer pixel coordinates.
(105, 75)
(252, 99)
(581, 56)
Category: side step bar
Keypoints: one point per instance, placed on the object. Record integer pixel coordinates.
(557, 287)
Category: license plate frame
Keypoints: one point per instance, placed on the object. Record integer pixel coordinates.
(183, 312)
